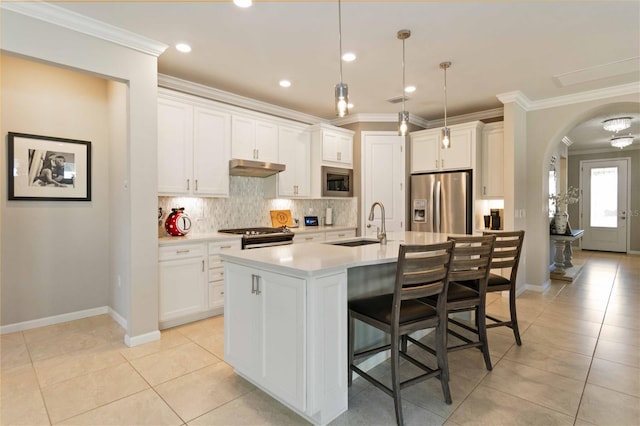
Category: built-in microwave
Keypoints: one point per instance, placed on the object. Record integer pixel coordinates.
(337, 182)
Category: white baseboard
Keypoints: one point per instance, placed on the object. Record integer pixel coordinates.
(538, 288)
(56, 319)
(118, 318)
(141, 339)
(633, 252)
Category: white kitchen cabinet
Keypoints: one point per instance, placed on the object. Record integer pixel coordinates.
(216, 270)
(337, 235)
(427, 154)
(265, 313)
(309, 237)
(194, 146)
(492, 165)
(182, 280)
(333, 145)
(294, 151)
(253, 139)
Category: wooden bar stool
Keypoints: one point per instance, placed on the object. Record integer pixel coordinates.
(422, 271)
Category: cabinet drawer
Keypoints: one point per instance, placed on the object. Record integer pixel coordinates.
(217, 247)
(216, 294)
(336, 235)
(216, 274)
(180, 251)
(215, 261)
(308, 237)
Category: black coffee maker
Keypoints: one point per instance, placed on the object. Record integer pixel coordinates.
(496, 219)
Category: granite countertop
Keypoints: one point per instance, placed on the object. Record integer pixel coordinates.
(320, 258)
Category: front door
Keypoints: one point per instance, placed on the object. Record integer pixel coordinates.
(604, 204)
(383, 161)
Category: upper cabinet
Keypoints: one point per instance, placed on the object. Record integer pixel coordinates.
(333, 144)
(427, 154)
(254, 139)
(294, 151)
(194, 146)
(492, 164)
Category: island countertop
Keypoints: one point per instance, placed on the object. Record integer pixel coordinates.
(319, 258)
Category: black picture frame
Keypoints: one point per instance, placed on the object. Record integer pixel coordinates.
(45, 168)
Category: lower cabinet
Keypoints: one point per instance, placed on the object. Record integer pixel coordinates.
(216, 270)
(309, 237)
(182, 281)
(336, 235)
(265, 340)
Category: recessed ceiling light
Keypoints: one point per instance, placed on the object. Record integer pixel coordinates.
(410, 89)
(243, 3)
(183, 47)
(349, 57)
(285, 83)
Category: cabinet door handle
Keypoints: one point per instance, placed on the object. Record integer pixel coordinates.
(339, 156)
(436, 164)
(224, 247)
(255, 284)
(182, 251)
(484, 190)
(187, 184)
(196, 184)
(442, 163)
(202, 265)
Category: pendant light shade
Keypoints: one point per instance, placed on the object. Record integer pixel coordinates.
(446, 133)
(616, 124)
(621, 141)
(403, 116)
(342, 90)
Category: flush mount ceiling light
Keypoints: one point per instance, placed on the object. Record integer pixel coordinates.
(446, 133)
(349, 57)
(342, 90)
(285, 83)
(403, 116)
(616, 124)
(410, 89)
(183, 47)
(243, 3)
(621, 141)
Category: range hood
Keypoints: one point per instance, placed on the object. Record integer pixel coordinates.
(252, 168)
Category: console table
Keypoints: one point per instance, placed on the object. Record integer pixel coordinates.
(563, 268)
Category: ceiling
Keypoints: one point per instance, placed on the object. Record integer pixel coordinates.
(544, 49)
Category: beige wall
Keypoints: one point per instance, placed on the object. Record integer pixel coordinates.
(56, 253)
(544, 130)
(65, 48)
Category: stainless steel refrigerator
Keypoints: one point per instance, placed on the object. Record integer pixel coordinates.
(441, 202)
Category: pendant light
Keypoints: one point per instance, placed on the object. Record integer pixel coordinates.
(342, 90)
(621, 141)
(446, 133)
(616, 124)
(403, 116)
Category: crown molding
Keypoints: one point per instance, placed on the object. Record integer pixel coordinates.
(203, 91)
(467, 118)
(83, 24)
(590, 95)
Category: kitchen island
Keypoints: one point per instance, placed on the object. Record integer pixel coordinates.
(286, 316)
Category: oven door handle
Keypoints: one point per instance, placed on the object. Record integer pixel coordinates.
(249, 246)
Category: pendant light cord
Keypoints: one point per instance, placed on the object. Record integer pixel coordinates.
(403, 77)
(445, 96)
(340, 35)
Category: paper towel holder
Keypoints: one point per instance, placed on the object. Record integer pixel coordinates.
(328, 216)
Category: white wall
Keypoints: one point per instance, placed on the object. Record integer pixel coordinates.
(35, 38)
(55, 261)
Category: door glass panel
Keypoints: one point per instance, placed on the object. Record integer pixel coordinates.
(604, 197)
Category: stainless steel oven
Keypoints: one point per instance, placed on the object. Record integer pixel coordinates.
(262, 237)
(337, 182)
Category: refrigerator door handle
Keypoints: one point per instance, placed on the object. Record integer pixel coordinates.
(436, 208)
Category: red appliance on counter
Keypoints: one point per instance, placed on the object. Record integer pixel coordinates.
(178, 222)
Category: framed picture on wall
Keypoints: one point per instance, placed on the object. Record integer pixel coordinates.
(44, 168)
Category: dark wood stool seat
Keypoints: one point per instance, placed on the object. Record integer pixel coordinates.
(422, 271)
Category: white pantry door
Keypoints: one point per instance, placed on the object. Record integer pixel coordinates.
(383, 169)
(604, 204)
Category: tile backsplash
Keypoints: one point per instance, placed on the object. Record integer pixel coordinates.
(247, 207)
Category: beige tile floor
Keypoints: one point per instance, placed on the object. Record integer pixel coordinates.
(579, 364)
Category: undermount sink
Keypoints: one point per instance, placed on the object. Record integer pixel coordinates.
(354, 243)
